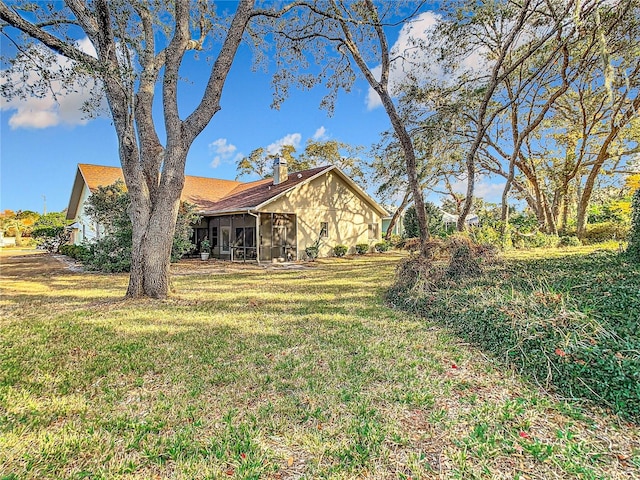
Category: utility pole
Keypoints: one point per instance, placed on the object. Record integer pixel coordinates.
(44, 206)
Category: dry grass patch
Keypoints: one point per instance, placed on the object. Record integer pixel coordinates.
(260, 373)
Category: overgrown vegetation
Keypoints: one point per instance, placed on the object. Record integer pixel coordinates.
(570, 322)
(633, 248)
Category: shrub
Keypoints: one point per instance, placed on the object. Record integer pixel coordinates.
(488, 235)
(633, 249)
(602, 232)
(108, 206)
(381, 247)
(340, 250)
(312, 252)
(362, 248)
(110, 254)
(51, 238)
(77, 252)
(569, 241)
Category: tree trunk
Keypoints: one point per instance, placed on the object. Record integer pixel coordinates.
(381, 87)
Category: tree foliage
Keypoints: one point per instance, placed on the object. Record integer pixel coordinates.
(51, 232)
(347, 39)
(434, 220)
(18, 224)
(109, 207)
(316, 153)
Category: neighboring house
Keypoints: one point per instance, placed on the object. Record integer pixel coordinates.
(398, 228)
(272, 219)
(450, 220)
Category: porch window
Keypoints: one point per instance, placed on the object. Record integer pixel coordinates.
(214, 237)
(324, 229)
(373, 231)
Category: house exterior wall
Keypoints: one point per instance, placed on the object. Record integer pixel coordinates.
(329, 199)
(398, 228)
(83, 228)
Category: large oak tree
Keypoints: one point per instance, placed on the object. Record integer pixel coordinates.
(139, 48)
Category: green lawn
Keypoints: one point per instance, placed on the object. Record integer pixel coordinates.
(254, 373)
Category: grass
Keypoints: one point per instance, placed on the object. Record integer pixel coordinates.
(248, 372)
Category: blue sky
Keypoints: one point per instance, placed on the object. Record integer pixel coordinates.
(41, 143)
(42, 161)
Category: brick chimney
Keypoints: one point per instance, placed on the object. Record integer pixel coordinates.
(280, 173)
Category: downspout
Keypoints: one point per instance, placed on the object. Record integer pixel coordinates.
(257, 235)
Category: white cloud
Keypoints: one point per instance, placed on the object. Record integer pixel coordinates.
(223, 151)
(486, 190)
(410, 35)
(58, 105)
(412, 60)
(292, 139)
(321, 134)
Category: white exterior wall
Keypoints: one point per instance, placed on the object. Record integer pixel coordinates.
(84, 229)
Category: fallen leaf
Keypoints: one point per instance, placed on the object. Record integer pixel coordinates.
(524, 435)
(290, 461)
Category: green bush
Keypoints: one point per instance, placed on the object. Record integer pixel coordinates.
(381, 247)
(312, 252)
(569, 241)
(488, 235)
(362, 248)
(108, 206)
(340, 250)
(633, 249)
(396, 241)
(110, 254)
(603, 232)
(51, 238)
(77, 252)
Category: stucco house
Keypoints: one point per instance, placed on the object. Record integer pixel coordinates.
(272, 219)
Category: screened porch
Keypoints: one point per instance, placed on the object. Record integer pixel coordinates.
(234, 237)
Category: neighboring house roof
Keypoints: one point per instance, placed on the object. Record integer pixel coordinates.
(212, 195)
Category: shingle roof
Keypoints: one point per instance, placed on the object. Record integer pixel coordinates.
(197, 190)
(210, 195)
(251, 195)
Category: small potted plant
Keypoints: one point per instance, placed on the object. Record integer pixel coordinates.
(205, 249)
